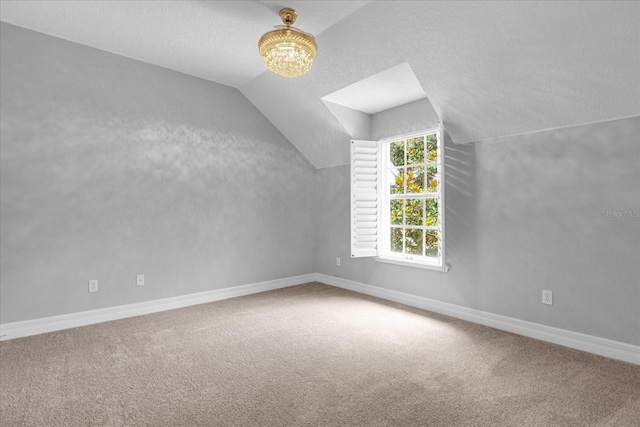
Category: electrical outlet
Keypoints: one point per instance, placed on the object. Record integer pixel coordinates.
(547, 297)
(93, 286)
(338, 261)
(140, 280)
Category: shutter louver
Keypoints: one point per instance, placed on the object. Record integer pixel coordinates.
(364, 198)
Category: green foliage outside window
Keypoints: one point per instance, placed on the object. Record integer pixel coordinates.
(415, 151)
(432, 148)
(413, 211)
(431, 243)
(396, 240)
(397, 153)
(415, 171)
(431, 217)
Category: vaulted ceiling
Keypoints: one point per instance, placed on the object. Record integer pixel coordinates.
(490, 69)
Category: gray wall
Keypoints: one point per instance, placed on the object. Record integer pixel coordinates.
(111, 167)
(415, 116)
(524, 214)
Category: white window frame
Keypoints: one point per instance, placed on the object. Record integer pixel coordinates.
(370, 202)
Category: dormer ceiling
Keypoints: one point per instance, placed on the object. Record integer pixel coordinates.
(489, 69)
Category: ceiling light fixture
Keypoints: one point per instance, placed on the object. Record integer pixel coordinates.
(287, 51)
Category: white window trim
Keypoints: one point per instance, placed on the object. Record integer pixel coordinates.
(383, 209)
(408, 262)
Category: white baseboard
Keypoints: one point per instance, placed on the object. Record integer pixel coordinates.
(56, 323)
(601, 346)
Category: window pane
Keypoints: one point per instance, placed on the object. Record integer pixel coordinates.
(397, 153)
(414, 174)
(414, 241)
(431, 212)
(415, 150)
(396, 181)
(415, 179)
(431, 243)
(413, 211)
(432, 148)
(396, 212)
(433, 180)
(396, 240)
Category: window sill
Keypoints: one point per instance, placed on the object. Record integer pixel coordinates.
(410, 263)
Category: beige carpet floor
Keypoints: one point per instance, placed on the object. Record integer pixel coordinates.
(309, 355)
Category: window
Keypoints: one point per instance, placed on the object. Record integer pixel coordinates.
(397, 199)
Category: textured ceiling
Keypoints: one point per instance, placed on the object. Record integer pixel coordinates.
(490, 69)
(214, 40)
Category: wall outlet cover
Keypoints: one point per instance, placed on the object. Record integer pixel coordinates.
(93, 286)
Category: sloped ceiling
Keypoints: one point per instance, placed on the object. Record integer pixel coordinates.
(490, 69)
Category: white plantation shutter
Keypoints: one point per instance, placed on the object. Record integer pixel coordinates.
(364, 198)
(441, 206)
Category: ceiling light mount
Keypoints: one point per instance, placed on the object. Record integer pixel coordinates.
(288, 15)
(288, 51)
